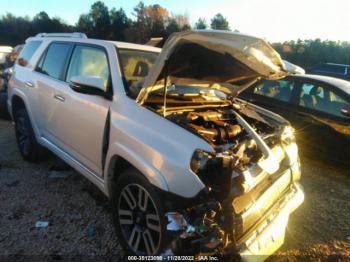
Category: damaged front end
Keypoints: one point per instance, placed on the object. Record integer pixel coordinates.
(251, 175)
(251, 182)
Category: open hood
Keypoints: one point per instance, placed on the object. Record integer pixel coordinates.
(292, 68)
(222, 57)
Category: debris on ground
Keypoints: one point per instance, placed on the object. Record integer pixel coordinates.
(90, 232)
(58, 174)
(59, 170)
(41, 224)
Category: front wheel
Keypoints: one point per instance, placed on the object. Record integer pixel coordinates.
(138, 215)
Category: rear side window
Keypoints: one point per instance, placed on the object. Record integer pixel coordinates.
(27, 52)
(89, 61)
(54, 61)
(322, 99)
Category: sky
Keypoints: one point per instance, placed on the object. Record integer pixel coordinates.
(274, 20)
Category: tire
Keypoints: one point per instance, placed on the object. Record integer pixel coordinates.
(28, 146)
(3, 106)
(139, 221)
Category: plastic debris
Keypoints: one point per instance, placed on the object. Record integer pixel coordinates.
(57, 174)
(59, 170)
(41, 224)
(176, 221)
(190, 229)
(90, 232)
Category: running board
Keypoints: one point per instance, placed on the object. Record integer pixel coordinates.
(81, 168)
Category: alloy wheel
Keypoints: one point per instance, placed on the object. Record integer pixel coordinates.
(139, 220)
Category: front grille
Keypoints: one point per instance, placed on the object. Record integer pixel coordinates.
(259, 200)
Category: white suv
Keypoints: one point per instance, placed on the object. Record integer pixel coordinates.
(188, 167)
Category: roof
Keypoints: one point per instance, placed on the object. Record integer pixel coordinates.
(340, 83)
(335, 64)
(126, 45)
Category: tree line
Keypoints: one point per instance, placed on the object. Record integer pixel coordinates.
(311, 52)
(156, 21)
(102, 23)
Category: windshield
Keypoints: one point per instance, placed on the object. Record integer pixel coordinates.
(135, 65)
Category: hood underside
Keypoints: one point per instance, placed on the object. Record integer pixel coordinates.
(214, 56)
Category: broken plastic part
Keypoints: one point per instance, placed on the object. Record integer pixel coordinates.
(176, 221)
(270, 163)
(41, 224)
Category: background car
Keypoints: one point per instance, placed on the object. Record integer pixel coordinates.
(317, 106)
(4, 51)
(331, 69)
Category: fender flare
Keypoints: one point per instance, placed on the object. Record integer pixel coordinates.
(117, 150)
(22, 96)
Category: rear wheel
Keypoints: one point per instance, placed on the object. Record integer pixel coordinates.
(26, 141)
(138, 215)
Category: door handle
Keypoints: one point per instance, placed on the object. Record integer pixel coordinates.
(59, 97)
(29, 84)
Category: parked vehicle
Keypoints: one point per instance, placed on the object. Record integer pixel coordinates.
(4, 51)
(7, 67)
(187, 166)
(317, 106)
(331, 69)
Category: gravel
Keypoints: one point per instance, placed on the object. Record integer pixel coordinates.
(72, 206)
(80, 222)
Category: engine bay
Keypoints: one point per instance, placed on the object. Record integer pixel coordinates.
(221, 129)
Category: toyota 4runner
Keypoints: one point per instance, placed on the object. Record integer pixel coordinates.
(189, 168)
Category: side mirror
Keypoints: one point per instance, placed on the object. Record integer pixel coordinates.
(346, 111)
(90, 85)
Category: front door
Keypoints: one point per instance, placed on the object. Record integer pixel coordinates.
(80, 118)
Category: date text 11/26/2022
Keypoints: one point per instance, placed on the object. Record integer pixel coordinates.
(173, 258)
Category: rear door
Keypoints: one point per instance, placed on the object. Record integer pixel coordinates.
(319, 112)
(49, 77)
(23, 78)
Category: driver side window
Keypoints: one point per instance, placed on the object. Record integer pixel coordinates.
(89, 61)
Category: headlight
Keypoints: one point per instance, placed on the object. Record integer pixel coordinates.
(288, 136)
(199, 160)
(296, 170)
(290, 147)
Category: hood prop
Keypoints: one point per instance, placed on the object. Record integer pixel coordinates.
(165, 86)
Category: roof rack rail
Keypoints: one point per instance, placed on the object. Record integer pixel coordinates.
(73, 35)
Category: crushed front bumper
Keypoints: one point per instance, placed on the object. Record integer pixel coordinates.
(269, 236)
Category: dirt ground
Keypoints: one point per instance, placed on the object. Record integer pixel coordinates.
(80, 220)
